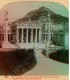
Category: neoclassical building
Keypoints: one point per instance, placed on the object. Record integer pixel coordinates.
(26, 34)
(32, 32)
(35, 30)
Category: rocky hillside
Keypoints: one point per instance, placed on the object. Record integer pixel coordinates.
(43, 11)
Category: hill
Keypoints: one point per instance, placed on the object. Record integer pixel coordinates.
(43, 11)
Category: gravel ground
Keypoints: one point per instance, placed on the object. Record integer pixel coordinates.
(46, 66)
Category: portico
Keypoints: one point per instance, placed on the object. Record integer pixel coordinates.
(28, 34)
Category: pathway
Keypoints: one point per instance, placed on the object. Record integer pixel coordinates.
(46, 66)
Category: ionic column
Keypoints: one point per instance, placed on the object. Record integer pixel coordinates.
(22, 36)
(1, 37)
(36, 36)
(17, 37)
(4, 37)
(40, 36)
(45, 37)
(31, 37)
(27, 36)
(13, 37)
(10, 38)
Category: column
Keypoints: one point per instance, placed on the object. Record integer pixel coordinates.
(10, 37)
(4, 37)
(36, 36)
(45, 37)
(6, 29)
(31, 38)
(22, 36)
(40, 36)
(17, 37)
(13, 37)
(1, 37)
(27, 36)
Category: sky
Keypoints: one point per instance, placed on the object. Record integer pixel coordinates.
(19, 9)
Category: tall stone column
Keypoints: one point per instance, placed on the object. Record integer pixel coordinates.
(22, 36)
(45, 37)
(13, 37)
(4, 37)
(40, 36)
(1, 37)
(7, 44)
(10, 39)
(36, 36)
(17, 37)
(27, 36)
(31, 37)
(6, 29)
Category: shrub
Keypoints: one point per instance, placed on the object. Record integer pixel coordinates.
(17, 62)
(60, 55)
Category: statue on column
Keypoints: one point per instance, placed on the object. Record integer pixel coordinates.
(6, 43)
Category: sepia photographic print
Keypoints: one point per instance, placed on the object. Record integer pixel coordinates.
(34, 40)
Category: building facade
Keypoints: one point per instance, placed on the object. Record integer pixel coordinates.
(30, 32)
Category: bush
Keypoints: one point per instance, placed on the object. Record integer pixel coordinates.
(60, 55)
(17, 62)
